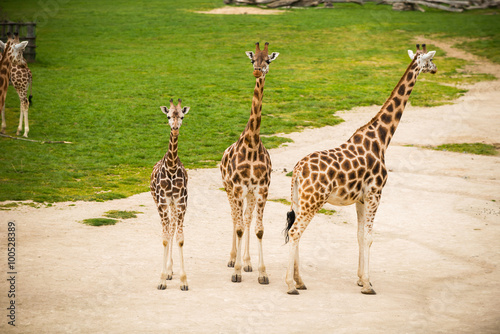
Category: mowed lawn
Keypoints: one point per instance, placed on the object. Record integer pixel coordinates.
(104, 68)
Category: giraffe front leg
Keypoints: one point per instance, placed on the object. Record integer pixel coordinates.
(259, 231)
(167, 238)
(236, 277)
(170, 260)
(366, 214)
(180, 242)
(232, 254)
(247, 265)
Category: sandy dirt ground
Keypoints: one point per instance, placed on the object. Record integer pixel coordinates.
(434, 260)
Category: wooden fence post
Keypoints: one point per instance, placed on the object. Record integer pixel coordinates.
(30, 53)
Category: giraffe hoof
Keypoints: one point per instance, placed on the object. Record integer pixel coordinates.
(247, 269)
(162, 286)
(301, 287)
(184, 288)
(264, 280)
(230, 264)
(293, 292)
(368, 291)
(236, 278)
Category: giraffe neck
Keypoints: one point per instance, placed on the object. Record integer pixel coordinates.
(5, 66)
(251, 135)
(171, 158)
(384, 124)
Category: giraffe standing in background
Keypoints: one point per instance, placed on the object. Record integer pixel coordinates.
(169, 189)
(21, 79)
(12, 55)
(246, 174)
(355, 172)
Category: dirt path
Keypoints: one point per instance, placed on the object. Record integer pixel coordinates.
(434, 260)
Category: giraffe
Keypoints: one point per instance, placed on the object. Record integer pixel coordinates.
(169, 189)
(246, 174)
(355, 172)
(21, 79)
(11, 56)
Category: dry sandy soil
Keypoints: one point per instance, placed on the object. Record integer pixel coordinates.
(434, 260)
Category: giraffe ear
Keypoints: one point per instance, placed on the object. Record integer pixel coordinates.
(21, 46)
(185, 110)
(2, 45)
(429, 55)
(249, 54)
(411, 54)
(273, 56)
(164, 109)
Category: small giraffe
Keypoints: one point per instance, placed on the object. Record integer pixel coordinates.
(11, 56)
(355, 172)
(21, 79)
(246, 174)
(169, 189)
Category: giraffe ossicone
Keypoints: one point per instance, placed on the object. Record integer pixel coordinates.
(246, 174)
(168, 187)
(353, 173)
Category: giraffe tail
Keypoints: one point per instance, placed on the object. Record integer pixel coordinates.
(30, 103)
(290, 216)
(290, 219)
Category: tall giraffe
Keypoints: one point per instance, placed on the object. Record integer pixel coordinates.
(246, 174)
(11, 56)
(21, 78)
(169, 189)
(355, 172)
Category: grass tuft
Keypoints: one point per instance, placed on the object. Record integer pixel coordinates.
(121, 214)
(475, 148)
(99, 221)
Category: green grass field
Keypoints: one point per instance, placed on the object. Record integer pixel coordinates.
(104, 68)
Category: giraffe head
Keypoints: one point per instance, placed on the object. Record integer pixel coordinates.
(423, 59)
(261, 60)
(15, 50)
(175, 115)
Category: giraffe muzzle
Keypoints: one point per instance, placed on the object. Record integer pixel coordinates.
(257, 73)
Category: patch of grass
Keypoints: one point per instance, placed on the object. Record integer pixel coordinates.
(290, 174)
(121, 214)
(99, 221)
(104, 68)
(475, 148)
(280, 200)
(8, 206)
(327, 212)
